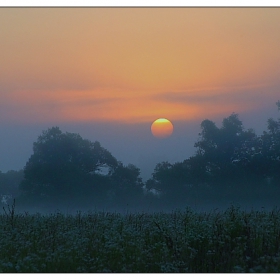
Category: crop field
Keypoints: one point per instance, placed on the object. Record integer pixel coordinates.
(181, 241)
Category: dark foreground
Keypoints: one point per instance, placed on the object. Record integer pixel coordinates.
(181, 241)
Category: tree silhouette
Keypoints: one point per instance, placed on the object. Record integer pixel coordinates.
(64, 164)
(229, 162)
(126, 186)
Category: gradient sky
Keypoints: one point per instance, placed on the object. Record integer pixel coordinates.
(108, 73)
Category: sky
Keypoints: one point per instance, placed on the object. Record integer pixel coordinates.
(108, 73)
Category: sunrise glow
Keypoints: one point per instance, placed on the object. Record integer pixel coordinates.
(154, 86)
(130, 65)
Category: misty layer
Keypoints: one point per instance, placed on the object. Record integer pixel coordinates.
(69, 173)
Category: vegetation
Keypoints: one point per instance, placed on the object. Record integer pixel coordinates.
(231, 164)
(65, 168)
(69, 173)
(10, 181)
(181, 241)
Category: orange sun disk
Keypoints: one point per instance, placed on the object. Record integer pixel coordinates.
(162, 128)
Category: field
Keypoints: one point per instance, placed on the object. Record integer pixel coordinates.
(180, 241)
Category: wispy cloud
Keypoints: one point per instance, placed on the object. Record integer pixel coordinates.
(134, 65)
(248, 95)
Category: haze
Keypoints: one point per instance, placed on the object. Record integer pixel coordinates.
(108, 73)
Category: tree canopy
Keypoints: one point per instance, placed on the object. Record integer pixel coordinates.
(229, 161)
(64, 167)
(61, 161)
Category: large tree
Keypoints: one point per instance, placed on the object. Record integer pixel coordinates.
(64, 164)
(226, 151)
(227, 158)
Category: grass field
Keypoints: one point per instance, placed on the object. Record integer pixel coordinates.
(181, 241)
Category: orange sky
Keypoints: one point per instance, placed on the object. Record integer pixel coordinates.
(136, 64)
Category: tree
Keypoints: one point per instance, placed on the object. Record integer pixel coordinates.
(126, 185)
(161, 178)
(172, 182)
(270, 150)
(9, 183)
(226, 151)
(64, 164)
(218, 145)
(229, 162)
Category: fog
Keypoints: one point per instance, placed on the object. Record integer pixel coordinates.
(134, 144)
(130, 143)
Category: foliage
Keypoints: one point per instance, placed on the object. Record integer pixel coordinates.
(180, 241)
(67, 169)
(126, 185)
(229, 160)
(64, 164)
(9, 182)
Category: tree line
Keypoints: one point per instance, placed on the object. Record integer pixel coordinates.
(230, 163)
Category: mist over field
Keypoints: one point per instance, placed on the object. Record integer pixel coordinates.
(94, 179)
(231, 165)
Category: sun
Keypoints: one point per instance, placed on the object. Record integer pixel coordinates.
(162, 128)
